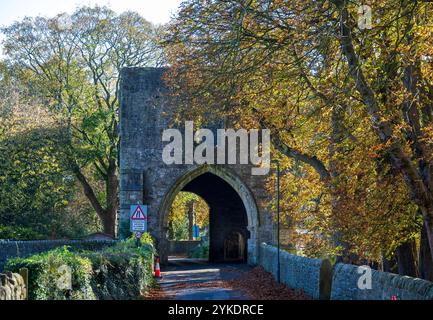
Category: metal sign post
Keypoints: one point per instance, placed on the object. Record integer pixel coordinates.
(137, 238)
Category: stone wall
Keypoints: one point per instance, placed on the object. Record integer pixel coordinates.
(313, 276)
(182, 248)
(384, 286)
(319, 280)
(13, 286)
(11, 249)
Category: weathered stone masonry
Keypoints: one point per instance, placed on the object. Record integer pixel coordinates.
(312, 276)
(145, 109)
(385, 285)
(13, 286)
(318, 279)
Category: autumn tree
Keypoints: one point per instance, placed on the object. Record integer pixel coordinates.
(391, 72)
(71, 63)
(348, 106)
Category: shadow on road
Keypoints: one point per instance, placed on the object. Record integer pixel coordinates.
(197, 279)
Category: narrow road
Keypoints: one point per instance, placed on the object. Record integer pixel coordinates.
(195, 279)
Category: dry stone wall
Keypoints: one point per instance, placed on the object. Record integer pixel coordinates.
(318, 279)
(12, 286)
(312, 276)
(384, 286)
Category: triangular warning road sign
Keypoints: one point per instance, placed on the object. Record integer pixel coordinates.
(138, 214)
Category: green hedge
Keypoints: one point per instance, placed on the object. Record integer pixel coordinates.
(201, 251)
(123, 271)
(17, 232)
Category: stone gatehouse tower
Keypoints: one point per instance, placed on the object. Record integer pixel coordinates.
(237, 199)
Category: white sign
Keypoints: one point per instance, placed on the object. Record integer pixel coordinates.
(138, 218)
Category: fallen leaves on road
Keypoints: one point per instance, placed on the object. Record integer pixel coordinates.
(256, 283)
(156, 293)
(261, 285)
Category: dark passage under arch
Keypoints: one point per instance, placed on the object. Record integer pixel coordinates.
(228, 221)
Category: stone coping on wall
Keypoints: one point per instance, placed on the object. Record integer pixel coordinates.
(318, 279)
(384, 285)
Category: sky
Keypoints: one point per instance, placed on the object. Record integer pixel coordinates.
(155, 11)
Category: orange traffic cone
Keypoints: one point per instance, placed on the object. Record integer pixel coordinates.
(157, 269)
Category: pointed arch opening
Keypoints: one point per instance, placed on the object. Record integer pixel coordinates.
(233, 214)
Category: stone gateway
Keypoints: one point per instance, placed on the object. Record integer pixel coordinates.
(239, 217)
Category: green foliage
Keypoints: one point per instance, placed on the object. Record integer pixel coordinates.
(146, 238)
(146, 242)
(32, 186)
(19, 233)
(45, 270)
(72, 70)
(178, 223)
(36, 189)
(123, 271)
(178, 228)
(201, 251)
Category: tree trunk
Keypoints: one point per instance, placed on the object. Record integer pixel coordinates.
(427, 218)
(108, 216)
(420, 187)
(108, 220)
(407, 259)
(337, 193)
(425, 261)
(170, 235)
(190, 221)
(389, 265)
(111, 184)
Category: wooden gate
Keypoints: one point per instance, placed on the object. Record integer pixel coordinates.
(234, 247)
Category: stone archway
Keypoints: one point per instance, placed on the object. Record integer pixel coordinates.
(145, 112)
(234, 182)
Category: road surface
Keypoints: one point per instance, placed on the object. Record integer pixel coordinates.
(195, 279)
